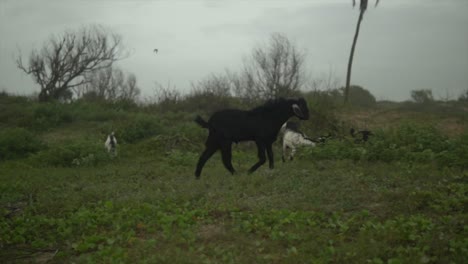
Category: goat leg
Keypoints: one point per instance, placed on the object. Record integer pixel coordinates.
(293, 151)
(285, 149)
(226, 154)
(270, 156)
(209, 151)
(261, 158)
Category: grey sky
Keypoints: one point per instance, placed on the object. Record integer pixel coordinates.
(403, 45)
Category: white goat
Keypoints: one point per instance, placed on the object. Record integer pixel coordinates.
(111, 144)
(292, 138)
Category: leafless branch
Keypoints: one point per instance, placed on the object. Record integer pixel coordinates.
(275, 70)
(65, 59)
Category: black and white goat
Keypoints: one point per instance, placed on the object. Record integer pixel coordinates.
(111, 144)
(260, 124)
(293, 138)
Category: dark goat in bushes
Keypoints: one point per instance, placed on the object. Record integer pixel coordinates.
(260, 124)
(361, 135)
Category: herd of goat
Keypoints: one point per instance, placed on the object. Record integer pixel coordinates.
(261, 125)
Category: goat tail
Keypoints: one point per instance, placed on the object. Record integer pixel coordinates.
(199, 120)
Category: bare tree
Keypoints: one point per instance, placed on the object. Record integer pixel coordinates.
(362, 10)
(64, 59)
(130, 91)
(100, 84)
(109, 84)
(241, 85)
(324, 82)
(218, 85)
(272, 71)
(166, 95)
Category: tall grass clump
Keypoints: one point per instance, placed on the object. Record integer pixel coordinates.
(18, 143)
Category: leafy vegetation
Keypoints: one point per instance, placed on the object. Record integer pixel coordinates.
(406, 143)
(398, 198)
(18, 143)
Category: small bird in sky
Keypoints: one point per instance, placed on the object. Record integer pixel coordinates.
(155, 50)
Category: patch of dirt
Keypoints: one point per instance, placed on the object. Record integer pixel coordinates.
(452, 127)
(211, 231)
(45, 257)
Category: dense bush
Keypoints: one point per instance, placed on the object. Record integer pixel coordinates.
(50, 115)
(15, 111)
(77, 153)
(18, 143)
(423, 96)
(455, 153)
(360, 97)
(140, 127)
(409, 143)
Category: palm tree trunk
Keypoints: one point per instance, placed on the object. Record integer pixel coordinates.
(351, 56)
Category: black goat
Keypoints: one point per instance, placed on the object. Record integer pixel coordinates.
(260, 124)
(364, 135)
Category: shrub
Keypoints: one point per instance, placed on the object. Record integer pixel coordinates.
(456, 152)
(90, 111)
(81, 153)
(360, 97)
(18, 143)
(176, 158)
(15, 111)
(420, 138)
(49, 115)
(423, 96)
(142, 126)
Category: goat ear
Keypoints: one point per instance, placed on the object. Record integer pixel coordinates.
(297, 110)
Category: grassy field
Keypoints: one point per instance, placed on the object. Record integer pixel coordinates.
(400, 198)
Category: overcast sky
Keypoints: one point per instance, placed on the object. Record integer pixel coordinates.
(403, 45)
